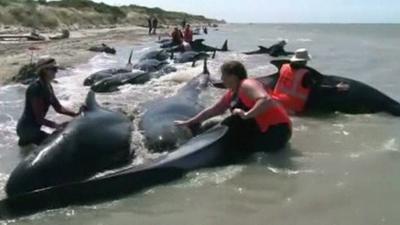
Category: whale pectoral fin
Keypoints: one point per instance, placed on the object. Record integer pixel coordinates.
(203, 150)
(264, 49)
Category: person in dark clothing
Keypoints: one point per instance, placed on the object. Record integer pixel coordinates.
(177, 36)
(150, 24)
(183, 23)
(155, 25)
(38, 98)
(205, 30)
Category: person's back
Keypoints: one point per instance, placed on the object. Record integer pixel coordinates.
(177, 36)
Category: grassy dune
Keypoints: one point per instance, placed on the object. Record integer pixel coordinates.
(84, 14)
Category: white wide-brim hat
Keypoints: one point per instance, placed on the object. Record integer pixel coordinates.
(301, 55)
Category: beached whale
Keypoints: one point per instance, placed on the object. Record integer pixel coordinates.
(168, 44)
(162, 41)
(160, 55)
(154, 65)
(275, 52)
(204, 150)
(111, 83)
(190, 56)
(164, 134)
(100, 75)
(95, 77)
(103, 48)
(97, 140)
(359, 99)
(198, 46)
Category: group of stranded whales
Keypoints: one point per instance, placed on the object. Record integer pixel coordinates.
(196, 45)
(82, 163)
(153, 64)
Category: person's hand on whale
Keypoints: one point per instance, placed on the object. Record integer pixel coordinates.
(240, 112)
(183, 123)
(82, 109)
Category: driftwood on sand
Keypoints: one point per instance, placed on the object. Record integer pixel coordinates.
(30, 37)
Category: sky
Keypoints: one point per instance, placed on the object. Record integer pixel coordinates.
(282, 11)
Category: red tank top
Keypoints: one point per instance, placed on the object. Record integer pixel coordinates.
(273, 115)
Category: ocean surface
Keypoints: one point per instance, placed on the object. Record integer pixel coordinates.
(338, 170)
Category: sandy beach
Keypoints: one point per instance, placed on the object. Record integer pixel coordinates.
(68, 52)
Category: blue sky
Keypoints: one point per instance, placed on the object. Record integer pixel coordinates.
(282, 11)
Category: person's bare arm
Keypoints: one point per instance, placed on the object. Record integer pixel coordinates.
(217, 109)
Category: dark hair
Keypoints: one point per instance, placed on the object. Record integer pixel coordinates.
(41, 73)
(235, 68)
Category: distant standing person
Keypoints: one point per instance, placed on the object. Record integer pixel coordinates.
(205, 30)
(184, 23)
(188, 34)
(155, 24)
(150, 25)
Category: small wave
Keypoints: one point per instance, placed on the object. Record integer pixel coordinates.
(391, 145)
(290, 172)
(201, 178)
(304, 40)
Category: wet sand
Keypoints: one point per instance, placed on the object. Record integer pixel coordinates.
(67, 52)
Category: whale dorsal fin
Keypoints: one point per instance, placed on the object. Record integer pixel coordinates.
(130, 58)
(224, 47)
(205, 67)
(91, 103)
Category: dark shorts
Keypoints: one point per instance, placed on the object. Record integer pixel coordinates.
(245, 136)
(30, 134)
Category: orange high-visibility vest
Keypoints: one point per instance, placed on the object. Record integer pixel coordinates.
(289, 89)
